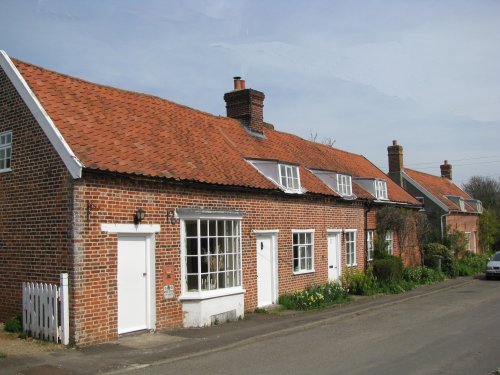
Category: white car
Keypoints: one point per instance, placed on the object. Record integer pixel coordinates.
(493, 266)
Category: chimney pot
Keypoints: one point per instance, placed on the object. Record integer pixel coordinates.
(394, 142)
(239, 84)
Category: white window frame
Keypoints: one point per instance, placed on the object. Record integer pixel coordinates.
(389, 240)
(381, 189)
(287, 179)
(344, 184)
(370, 249)
(461, 204)
(350, 247)
(237, 270)
(6, 150)
(302, 246)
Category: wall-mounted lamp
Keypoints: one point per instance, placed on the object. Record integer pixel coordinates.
(171, 216)
(139, 216)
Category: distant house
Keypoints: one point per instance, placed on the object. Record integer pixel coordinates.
(447, 206)
(166, 216)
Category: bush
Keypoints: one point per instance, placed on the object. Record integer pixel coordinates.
(315, 297)
(472, 264)
(422, 275)
(448, 263)
(13, 324)
(389, 269)
(357, 282)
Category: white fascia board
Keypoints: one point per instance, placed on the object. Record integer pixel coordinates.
(73, 164)
(425, 192)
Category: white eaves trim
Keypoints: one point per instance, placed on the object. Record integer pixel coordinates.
(55, 137)
(425, 191)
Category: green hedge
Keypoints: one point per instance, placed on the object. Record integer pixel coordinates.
(358, 282)
(389, 269)
(448, 262)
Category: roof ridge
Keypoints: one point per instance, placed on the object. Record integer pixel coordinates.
(427, 174)
(113, 88)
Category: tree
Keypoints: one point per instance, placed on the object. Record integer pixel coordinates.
(487, 190)
(489, 230)
(328, 141)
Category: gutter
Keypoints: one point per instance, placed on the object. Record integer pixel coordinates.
(368, 206)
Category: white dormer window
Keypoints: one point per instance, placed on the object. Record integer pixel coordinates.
(344, 185)
(285, 176)
(289, 177)
(381, 189)
(5, 151)
(461, 204)
(338, 182)
(479, 207)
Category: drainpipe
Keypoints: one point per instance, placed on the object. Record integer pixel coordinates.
(368, 209)
(442, 225)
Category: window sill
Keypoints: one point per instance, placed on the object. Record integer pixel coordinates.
(352, 265)
(197, 296)
(303, 272)
(5, 170)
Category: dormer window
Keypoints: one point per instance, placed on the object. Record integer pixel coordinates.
(381, 189)
(289, 177)
(5, 151)
(338, 182)
(461, 204)
(285, 176)
(344, 184)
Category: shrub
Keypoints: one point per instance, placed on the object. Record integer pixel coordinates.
(13, 324)
(358, 282)
(422, 275)
(448, 263)
(472, 264)
(315, 297)
(389, 269)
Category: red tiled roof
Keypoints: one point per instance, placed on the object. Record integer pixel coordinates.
(127, 132)
(440, 187)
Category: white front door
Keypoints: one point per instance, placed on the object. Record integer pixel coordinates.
(266, 274)
(133, 281)
(334, 260)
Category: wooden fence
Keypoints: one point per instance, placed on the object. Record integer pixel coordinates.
(46, 310)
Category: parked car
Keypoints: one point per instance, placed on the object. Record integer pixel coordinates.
(493, 266)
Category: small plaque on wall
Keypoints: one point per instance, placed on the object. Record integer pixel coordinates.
(168, 291)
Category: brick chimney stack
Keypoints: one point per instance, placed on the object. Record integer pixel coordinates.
(246, 105)
(446, 170)
(395, 154)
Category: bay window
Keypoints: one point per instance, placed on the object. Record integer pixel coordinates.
(212, 254)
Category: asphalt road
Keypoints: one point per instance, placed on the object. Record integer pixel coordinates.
(455, 332)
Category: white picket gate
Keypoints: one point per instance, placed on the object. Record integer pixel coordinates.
(43, 306)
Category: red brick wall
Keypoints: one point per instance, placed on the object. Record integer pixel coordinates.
(464, 223)
(114, 200)
(35, 201)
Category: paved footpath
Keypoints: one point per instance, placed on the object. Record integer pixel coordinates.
(141, 351)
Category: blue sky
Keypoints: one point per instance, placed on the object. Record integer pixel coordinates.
(360, 72)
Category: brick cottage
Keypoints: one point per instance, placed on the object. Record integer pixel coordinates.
(447, 206)
(165, 216)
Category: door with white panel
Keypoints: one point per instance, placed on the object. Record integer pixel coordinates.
(334, 256)
(133, 283)
(266, 270)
